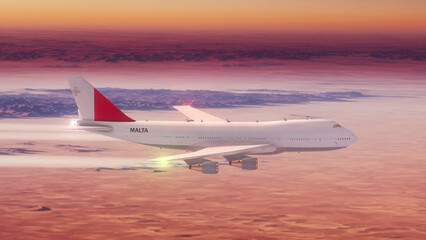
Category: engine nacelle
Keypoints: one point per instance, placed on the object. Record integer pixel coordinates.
(246, 163)
(207, 167)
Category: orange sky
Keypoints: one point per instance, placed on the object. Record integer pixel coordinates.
(267, 15)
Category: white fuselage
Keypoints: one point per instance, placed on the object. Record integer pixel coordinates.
(291, 135)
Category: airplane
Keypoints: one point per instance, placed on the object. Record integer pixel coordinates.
(204, 135)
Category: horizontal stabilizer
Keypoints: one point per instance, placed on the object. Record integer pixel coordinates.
(94, 128)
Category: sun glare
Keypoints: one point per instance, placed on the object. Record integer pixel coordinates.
(74, 123)
(162, 163)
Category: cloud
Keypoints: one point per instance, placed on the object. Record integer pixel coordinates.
(12, 151)
(61, 66)
(177, 47)
(43, 209)
(7, 154)
(82, 149)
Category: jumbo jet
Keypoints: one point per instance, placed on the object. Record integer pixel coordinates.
(204, 135)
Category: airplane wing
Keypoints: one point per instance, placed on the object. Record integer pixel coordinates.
(212, 151)
(197, 115)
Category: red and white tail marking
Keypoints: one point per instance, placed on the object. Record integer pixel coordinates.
(92, 105)
(106, 111)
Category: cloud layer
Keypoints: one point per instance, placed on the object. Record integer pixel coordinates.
(55, 103)
(75, 48)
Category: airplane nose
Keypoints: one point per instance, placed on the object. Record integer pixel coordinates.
(355, 138)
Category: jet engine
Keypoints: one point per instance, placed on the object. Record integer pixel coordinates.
(243, 162)
(203, 165)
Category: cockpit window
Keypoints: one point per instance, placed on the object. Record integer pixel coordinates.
(336, 126)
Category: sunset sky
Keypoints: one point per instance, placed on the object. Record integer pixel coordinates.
(191, 41)
(308, 15)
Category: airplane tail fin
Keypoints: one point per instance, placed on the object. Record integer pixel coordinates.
(92, 105)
